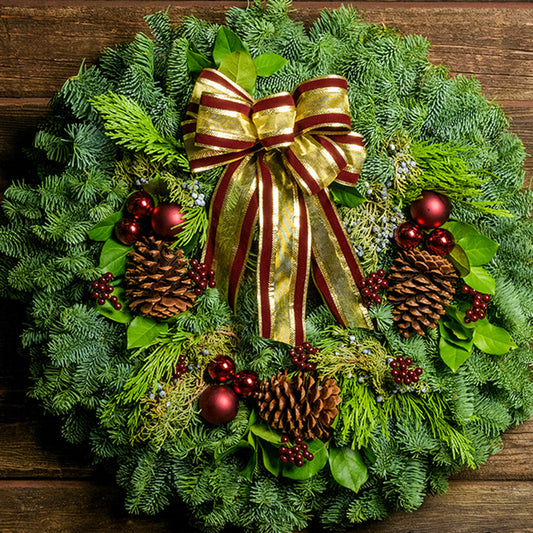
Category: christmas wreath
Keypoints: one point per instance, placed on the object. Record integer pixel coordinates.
(273, 273)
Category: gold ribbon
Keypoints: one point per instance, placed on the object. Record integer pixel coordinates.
(282, 152)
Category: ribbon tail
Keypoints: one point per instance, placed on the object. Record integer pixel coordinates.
(335, 268)
(232, 219)
(284, 253)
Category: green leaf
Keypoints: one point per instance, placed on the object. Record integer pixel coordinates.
(457, 335)
(310, 468)
(271, 458)
(123, 316)
(226, 42)
(251, 466)
(266, 433)
(478, 247)
(113, 257)
(347, 467)
(481, 280)
(452, 355)
(104, 229)
(239, 67)
(241, 445)
(142, 331)
(492, 339)
(268, 64)
(197, 62)
(459, 260)
(459, 316)
(346, 196)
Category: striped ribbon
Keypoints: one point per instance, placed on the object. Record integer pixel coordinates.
(282, 152)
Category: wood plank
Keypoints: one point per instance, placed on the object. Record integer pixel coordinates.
(47, 44)
(36, 506)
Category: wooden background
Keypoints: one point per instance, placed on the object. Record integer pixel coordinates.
(47, 485)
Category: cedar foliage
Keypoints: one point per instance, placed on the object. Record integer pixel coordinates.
(129, 107)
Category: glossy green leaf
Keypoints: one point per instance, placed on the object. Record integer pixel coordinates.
(310, 468)
(123, 316)
(268, 64)
(142, 331)
(197, 62)
(459, 260)
(481, 280)
(241, 445)
(113, 257)
(248, 471)
(458, 315)
(478, 247)
(346, 196)
(266, 433)
(226, 42)
(271, 458)
(347, 467)
(104, 229)
(451, 354)
(492, 339)
(457, 335)
(239, 67)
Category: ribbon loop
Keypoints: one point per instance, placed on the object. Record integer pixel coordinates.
(282, 152)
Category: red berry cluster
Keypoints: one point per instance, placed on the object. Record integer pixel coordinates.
(201, 276)
(181, 367)
(370, 287)
(295, 454)
(400, 373)
(102, 291)
(300, 355)
(479, 305)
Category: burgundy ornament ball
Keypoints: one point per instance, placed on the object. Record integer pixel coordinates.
(221, 368)
(128, 230)
(432, 210)
(140, 204)
(246, 383)
(408, 235)
(219, 404)
(440, 242)
(165, 217)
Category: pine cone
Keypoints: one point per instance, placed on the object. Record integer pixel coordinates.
(300, 406)
(157, 280)
(421, 285)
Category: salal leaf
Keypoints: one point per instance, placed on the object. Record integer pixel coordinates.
(453, 355)
(479, 248)
(239, 67)
(113, 257)
(123, 315)
(268, 64)
(480, 279)
(104, 229)
(142, 331)
(346, 196)
(347, 467)
(197, 62)
(492, 339)
(271, 458)
(226, 42)
(459, 260)
(266, 433)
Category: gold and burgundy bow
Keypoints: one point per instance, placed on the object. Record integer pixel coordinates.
(282, 152)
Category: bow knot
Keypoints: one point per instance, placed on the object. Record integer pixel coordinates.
(282, 152)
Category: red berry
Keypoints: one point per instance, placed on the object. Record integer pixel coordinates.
(362, 284)
(394, 372)
(198, 291)
(284, 438)
(366, 292)
(465, 289)
(298, 456)
(182, 358)
(419, 370)
(310, 456)
(299, 463)
(408, 361)
(415, 378)
(194, 263)
(283, 450)
(384, 283)
(398, 379)
(291, 458)
(400, 359)
(481, 315)
(407, 380)
(110, 289)
(292, 352)
(101, 301)
(474, 317)
(378, 300)
(306, 345)
(298, 440)
(469, 313)
(393, 364)
(113, 299)
(296, 448)
(487, 297)
(411, 373)
(304, 446)
(381, 272)
(117, 306)
(403, 367)
(96, 284)
(467, 320)
(284, 459)
(403, 374)
(483, 305)
(96, 294)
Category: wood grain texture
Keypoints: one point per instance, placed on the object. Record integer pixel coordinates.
(49, 485)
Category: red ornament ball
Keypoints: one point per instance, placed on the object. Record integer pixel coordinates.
(432, 210)
(219, 404)
(246, 383)
(408, 235)
(221, 368)
(140, 204)
(440, 242)
(128, 230)
(165, 217)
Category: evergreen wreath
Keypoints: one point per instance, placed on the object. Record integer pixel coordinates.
(347, 425)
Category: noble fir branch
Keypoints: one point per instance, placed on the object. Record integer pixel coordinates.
(131, 127)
